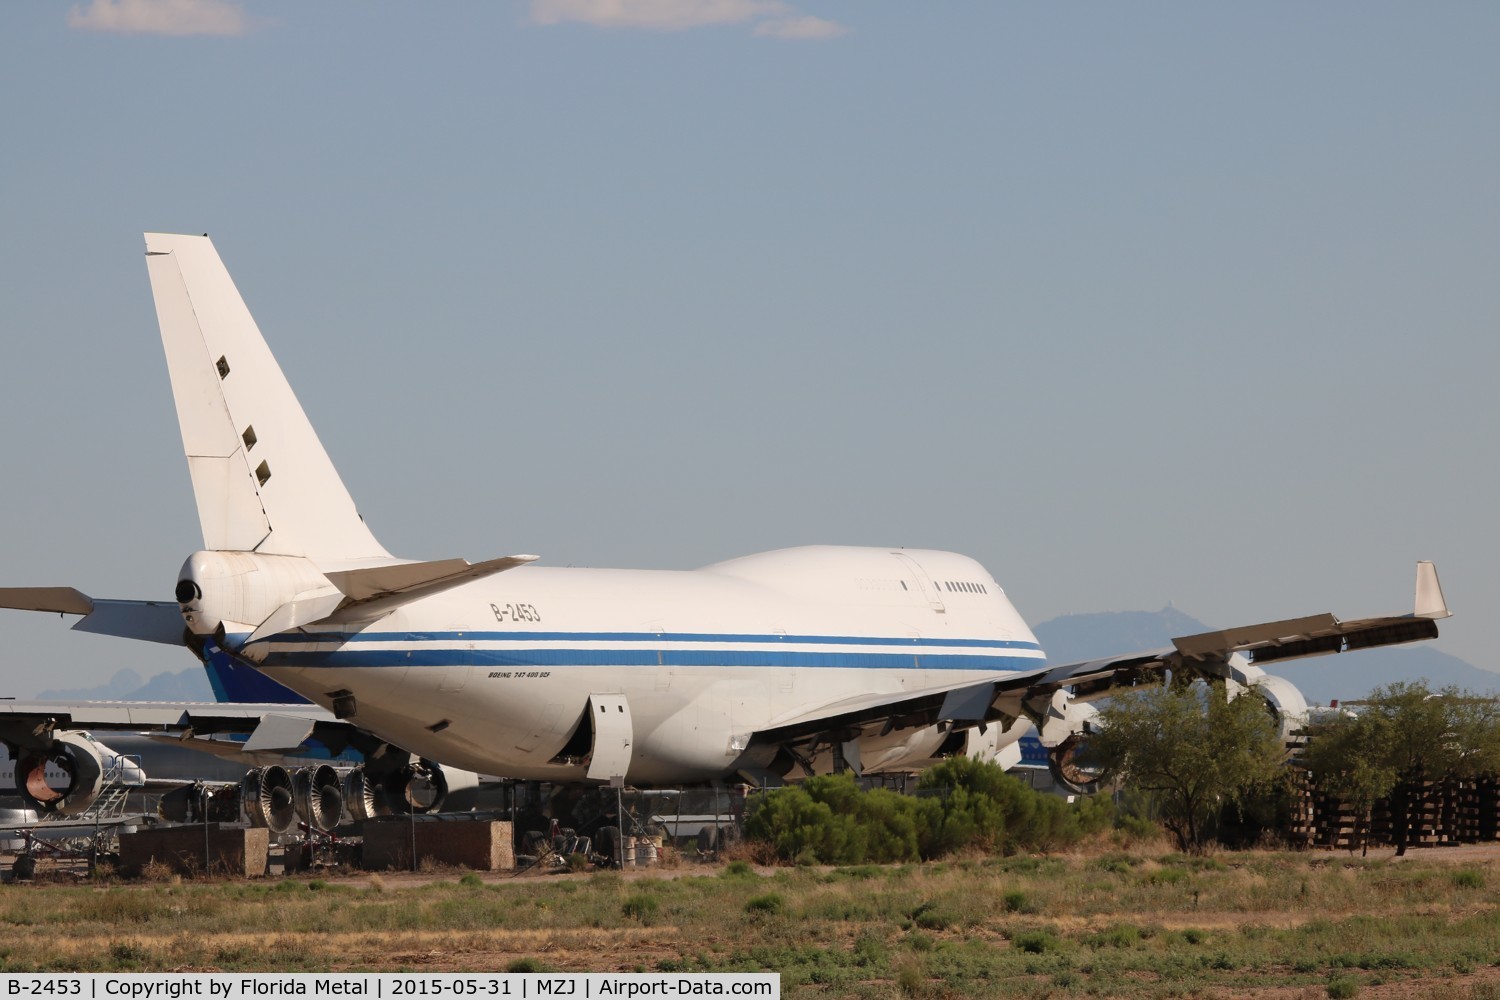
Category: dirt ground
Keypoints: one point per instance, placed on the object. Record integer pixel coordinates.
(625, 949)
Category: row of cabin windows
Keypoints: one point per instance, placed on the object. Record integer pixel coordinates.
(963, 586)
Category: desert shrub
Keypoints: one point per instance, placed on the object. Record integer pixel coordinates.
(979, 805)
(1343, 987)
(830, 820)
(1017, 901)
(1468, 878)
(642, 907)
(1036, 942)
(961, 805)
(770, 904)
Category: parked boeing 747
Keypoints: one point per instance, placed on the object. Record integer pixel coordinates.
(777, 664)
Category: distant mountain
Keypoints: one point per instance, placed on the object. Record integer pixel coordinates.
(1347, 676)
(126, 685)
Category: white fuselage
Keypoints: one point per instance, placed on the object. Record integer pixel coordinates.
(496, 675)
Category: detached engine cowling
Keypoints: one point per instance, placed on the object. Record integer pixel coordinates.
(1283, 700)
(1063, 729)
(419, 787)
(269, 798)
(319, 797)
(64, 778)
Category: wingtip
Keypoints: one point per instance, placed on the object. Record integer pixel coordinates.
(1430, 602)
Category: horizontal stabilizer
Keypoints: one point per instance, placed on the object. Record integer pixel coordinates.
(361, 585)
(152, 621)
(379, 590)
(62, 600)
(295, 614)
(369, 593)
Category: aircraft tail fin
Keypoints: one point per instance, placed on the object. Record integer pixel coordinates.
(262, 480)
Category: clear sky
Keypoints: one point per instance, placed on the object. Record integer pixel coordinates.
(1135, 303)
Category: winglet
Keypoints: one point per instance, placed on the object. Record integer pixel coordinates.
(1430, 603)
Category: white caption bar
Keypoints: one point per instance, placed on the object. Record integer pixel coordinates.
(384, 985)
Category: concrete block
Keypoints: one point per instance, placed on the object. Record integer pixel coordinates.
(480, 844)
(190, 850)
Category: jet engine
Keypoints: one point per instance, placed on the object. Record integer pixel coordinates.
(418, 788)
(318, 796)
(75, 778)
(269, 798)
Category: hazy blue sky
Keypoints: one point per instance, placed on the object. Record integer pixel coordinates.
(1135, 303)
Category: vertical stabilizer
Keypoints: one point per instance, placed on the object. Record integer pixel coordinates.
(260, 475)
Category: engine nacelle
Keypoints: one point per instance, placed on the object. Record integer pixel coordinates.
(412, 788)
(269, 798)
(319, 799)
(75, 778)
(1063, 728)
(1284, 701)
(1067, 770)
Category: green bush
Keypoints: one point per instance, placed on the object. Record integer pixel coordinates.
(1036, 942)
(829, 820)
(961, 804)
(770, 904)
(640, 907)
(1343, 988)
(1016, 902)
(1468, 878)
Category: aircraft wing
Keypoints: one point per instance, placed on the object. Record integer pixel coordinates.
(269, 727)
(153, 621)
(1030, 693)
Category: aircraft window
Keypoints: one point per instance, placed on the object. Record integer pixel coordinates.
(262, 473)
(249, 437)
(903, 584)
(223, 366)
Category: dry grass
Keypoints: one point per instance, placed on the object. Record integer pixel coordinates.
(1135, 923)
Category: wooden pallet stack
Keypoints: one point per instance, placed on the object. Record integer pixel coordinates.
(1442, 814)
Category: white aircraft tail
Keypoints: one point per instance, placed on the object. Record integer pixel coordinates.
(260, 475)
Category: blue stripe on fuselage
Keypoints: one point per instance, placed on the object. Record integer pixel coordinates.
(437, 656)
(430, 649)
(704, 637)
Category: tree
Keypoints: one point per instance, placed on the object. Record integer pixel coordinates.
(1193, 749)
(1401, 735)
